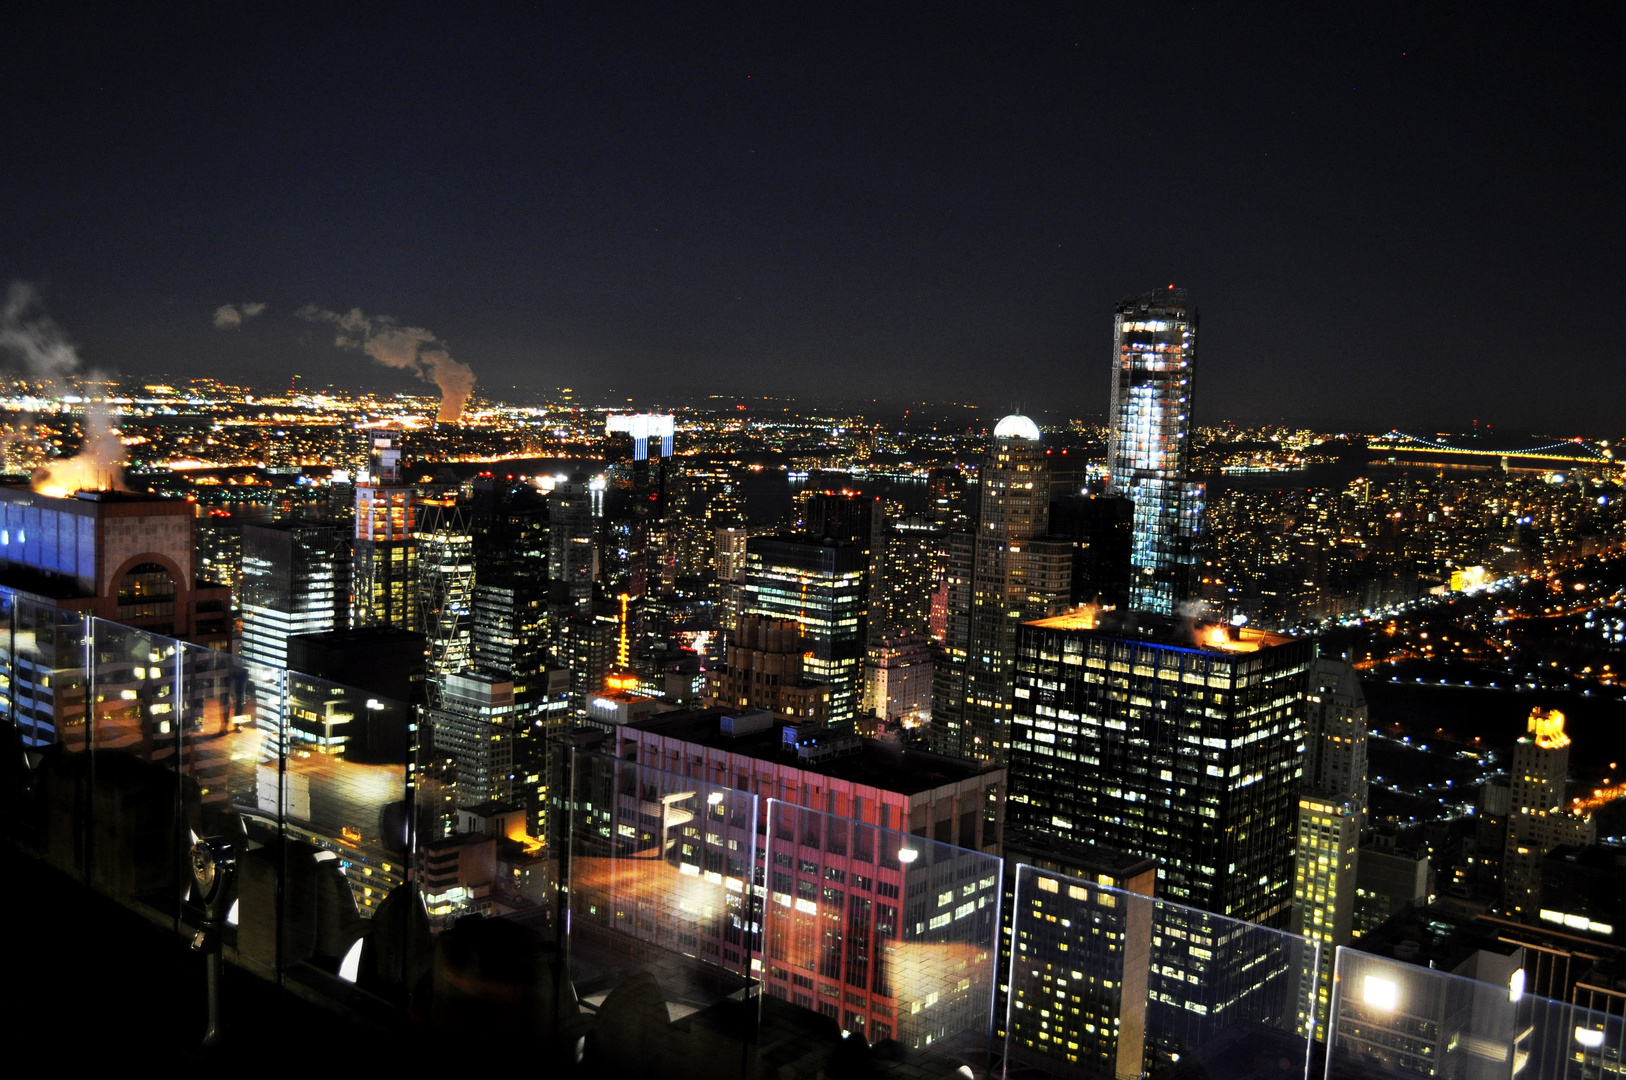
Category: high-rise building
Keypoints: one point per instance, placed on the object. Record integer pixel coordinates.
(385, 553)
(915, 560)
(474, 725)
(1149, 449)
(1539, 818)
(820, 585)
(1331, 816)
(764, 671)
(446, 584)
(898, 682)
(1176, 742)
(951, 634)
(296, 580)
(1100, 528)
(1014, 496)
(573, 535)
(860, 519)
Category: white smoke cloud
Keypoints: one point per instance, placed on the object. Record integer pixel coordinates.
(231, 316)
(29, 334)
(407, 348)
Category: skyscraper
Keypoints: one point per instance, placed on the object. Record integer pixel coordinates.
(819, 585)
(296, 580)
(446, 584)
(385, 557)
(1005, 585)
(1538, 817)
(1331, 816)
(1182, 744)
(1148, 451)
(573, 536)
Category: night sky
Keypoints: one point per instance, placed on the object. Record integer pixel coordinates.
(1406, 214)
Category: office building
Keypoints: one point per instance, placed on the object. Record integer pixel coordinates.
(1006, 586)
(819, 585)
(951, 636)
(474, 725)
(861, 520)
(1080, 992)
(1331, 817)
(764, 671)
(296, 580)
(1389, 877)
(898, 683)
(573, 556)
(1539, 818)
(446, 584)
(1176, 742)
(1149, 449)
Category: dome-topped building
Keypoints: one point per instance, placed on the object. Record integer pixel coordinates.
(1017, 426)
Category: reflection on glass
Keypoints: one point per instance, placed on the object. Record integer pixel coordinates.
(891, 935)
(1093, 988)
(1391, 1018)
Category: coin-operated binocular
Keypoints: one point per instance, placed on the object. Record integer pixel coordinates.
(214, 881)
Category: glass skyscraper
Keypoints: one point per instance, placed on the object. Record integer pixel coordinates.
(1149, 450)
(819, 585)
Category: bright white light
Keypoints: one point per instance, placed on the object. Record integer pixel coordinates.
(714, 798)
(231, 916)
(351, 962)
(1591, 1038)
(1381, 993)
(907, 855)
(1515, 986)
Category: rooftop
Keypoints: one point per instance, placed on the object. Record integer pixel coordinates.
(868, 762)
(1216, 637)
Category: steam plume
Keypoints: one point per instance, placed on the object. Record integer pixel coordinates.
(231, 316)
(28, 333)
(409, 348)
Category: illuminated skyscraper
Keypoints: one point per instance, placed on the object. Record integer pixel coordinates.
(573, 557)
(1331, 815)
(1538, 817)
(385, 558)
(821, 586)
(296, 580)
(1148, 452)
(446, 585)
(1014, 512)
(1182, 744)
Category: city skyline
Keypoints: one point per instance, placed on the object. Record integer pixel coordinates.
(654, 203)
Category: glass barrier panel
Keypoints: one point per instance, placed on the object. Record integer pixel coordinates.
(891, 937)
(231, 757)
(43, 652)
(1109, 983)
(661, 919)
(1394, 1018)
(336, 781)
(146, 811)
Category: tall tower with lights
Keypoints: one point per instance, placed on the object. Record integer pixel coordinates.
(1149, 449)
(1538, 819)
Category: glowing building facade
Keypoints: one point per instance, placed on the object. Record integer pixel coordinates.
(1148, 452)
(821, 586)
(1015, 508)
(1331, 815)
(1176, 743)
(1538, 817)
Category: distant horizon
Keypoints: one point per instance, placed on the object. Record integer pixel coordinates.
(986, 414)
